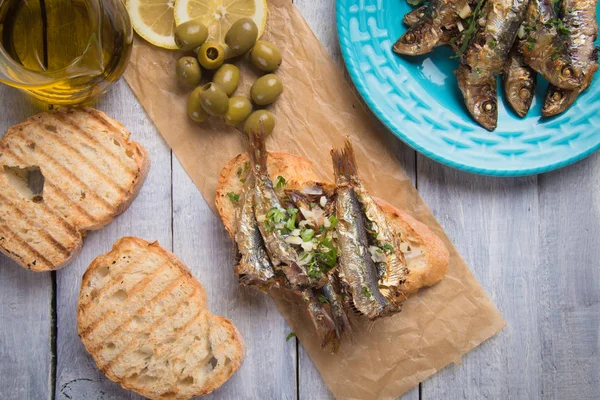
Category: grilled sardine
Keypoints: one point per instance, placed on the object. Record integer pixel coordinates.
(519, 82)
(485, 56)
(579, 19)
(357, 270)
(254, 267)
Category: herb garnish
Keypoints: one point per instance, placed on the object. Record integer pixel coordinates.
(469, 32)
(234, 197)
(323, 299)
(388, 248)
(280, 182)
(366, 291)
(291, 335)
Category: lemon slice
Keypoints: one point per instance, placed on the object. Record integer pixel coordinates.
(154, 21)
(219, 15)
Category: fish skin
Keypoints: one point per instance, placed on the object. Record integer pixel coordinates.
(254, 267)
(484, 59)
(283, 256)
(544, 49)
(356, 268)
(340, 318)
(579, 16)
(519, 81)
(322, 321)
(424, 35)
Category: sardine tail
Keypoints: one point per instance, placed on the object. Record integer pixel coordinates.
(344, 163)
(258, 151)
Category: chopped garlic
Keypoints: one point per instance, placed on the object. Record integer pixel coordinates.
(314, 190)
(308, 246)
(295, 232)
(327, 223)
(261, 218)
(465, 12)
(404, 247)
(294, 240)
(377, 254)
(323, 201)
(305, 258)
(303, 223)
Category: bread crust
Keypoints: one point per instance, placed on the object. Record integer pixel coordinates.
(92, 173)
(426, 270)
(216, 328)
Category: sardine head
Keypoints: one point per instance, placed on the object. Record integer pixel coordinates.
(520, 95)
(557, 100)
(564, 75)
(481, 100)
(419, 39)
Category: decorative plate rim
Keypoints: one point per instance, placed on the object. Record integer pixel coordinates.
(356, 77)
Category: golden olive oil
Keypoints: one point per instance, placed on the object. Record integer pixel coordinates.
(64, 51)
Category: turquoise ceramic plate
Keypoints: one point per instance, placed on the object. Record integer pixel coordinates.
(419, 101)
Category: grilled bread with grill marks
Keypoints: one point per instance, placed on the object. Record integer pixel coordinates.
(145, 320)
(90, 170)
(426, 255)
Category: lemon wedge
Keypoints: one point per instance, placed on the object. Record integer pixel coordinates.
(219, 15)
(154, 21)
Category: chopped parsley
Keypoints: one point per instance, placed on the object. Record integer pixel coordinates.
(366, 291)
(323, 299)
(280, 182)
(234, 197)
(239, 172)
(492, 44)
(307, 234)
(332, 221)
(276, 215)
(314, 271)
(388, 248)
(470, 30)
(559, 25)
(291, 335)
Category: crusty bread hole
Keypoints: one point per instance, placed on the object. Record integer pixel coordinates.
(28, 181)
(103, 271)
(120, 295)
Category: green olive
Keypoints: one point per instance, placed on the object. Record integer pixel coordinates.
(238, 111)
(260, 121)
(194, 107)
(190, 35)
(213, 99)
(241, 36)
(211, 55)
(265, 56)
(228, 77)
(188, 71)
(266, 89)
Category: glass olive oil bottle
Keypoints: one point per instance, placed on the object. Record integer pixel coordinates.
(63, 51)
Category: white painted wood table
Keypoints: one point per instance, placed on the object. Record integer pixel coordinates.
(533, 243)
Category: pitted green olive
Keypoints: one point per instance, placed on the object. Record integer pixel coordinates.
(241, 36)
(194, 107)
(188, 71)
(213, 99)
(239, 110)
(228, 77)
(260, 121)
(211, 55)
(190, 34)
(266, 89)
(265, 56)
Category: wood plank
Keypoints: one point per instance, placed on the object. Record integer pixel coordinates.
(568, 318)
(25, 301)
(149, 217)
(200, 240)
(320, 15)
(493, 223)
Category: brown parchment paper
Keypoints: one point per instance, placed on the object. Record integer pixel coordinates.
(317, 109)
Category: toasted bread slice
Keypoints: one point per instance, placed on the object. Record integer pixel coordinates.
(426, 255)
(63, 173)
(145, 320)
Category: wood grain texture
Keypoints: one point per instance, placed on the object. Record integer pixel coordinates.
(529, 241)
(200, 240)
(25, 301)
(149, 217)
